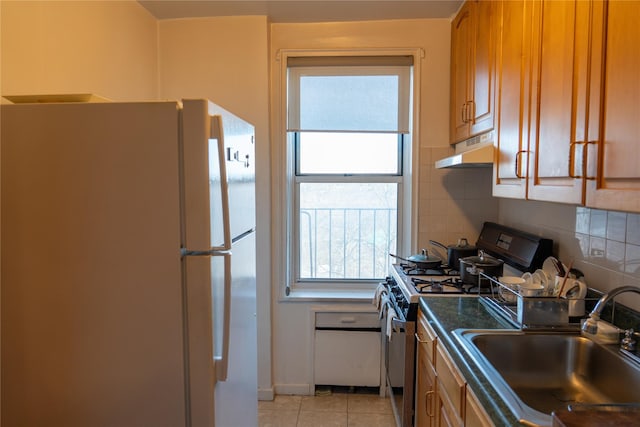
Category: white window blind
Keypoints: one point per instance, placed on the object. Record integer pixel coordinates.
(349, 94)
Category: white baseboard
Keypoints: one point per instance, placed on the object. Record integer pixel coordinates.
(266, 394)
(295, 389)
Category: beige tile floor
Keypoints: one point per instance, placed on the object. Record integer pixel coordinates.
(338, 409)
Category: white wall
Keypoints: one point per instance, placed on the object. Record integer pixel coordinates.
(225, 59)
(105, 48)
(102, 47)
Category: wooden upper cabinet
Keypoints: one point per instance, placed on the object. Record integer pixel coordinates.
(568, 102)
(460, 66)
(473, 40)
(560, 88)
(613, 159)
(512, 100)
(484, 67)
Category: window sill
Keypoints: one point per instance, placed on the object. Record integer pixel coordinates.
(333, 295)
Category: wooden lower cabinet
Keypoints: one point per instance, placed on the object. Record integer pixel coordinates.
(426, 403)
(442, 396)
(447, 418)
(475, 415)
(426, 397)
(451, 389)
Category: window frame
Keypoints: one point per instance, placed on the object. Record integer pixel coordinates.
(284, 179)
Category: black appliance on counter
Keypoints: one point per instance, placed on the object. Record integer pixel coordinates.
(406, 285)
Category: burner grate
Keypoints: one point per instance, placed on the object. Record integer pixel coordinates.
(438, 285)
(412, 270)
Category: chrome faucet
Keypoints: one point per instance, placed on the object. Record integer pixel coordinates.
(590, 326)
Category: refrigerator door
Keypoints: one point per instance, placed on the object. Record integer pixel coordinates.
(201, 366)
(237, 397)
(221, 301)
(228, 367)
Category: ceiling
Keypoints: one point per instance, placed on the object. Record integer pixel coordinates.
(305, 10)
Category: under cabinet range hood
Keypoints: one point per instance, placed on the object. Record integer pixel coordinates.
(473, 153)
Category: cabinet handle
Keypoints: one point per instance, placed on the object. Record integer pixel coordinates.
(572, 160)
(517, 169)
(428, 403)
(590, 172)
(420, 340)
(462, 113)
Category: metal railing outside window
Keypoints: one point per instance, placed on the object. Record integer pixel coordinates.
(346, 243)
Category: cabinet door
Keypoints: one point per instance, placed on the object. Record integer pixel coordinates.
(347, 358)
(512, 100)
(613, 172)
(475, 415)
(425, 397)
(451, 384)
(483, 64)
(446, 414)
(560, 88)
(461, 30)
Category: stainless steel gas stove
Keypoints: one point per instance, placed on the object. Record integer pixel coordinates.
(404, 287)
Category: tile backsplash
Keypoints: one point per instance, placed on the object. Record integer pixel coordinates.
(453, 203)
(605, 245)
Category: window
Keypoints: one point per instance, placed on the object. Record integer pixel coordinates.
(347, 130)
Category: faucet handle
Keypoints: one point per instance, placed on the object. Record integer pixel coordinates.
(628, 343)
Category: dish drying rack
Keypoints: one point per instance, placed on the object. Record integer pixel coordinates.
(526, 312)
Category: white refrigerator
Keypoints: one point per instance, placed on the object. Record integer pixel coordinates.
(128, 265)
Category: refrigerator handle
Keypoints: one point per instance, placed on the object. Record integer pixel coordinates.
(217, 133)
(222, 361)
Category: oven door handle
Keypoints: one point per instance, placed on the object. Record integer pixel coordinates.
(387, 305)
(394, 323)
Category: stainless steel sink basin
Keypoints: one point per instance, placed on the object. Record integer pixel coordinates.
(537, 373)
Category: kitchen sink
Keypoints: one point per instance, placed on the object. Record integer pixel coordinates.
(537, 373)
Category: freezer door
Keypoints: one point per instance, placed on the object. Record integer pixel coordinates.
(237, 138)
(218, 176)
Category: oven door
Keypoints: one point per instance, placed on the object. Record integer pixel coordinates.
(399, 359)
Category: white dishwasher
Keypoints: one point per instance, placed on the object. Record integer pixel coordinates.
(347, 349)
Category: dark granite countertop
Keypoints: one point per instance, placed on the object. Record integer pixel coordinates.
(446, 314)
